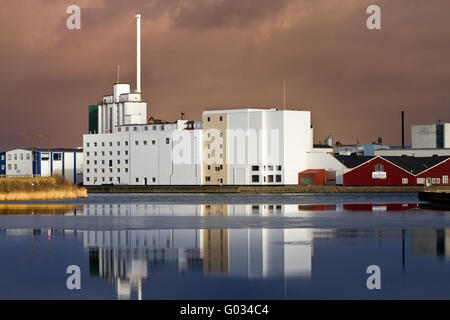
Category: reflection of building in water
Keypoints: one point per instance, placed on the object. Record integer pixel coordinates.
(431, 242)
(123, 256)
(256, 253)
(215, 242)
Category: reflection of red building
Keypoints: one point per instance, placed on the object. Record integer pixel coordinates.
(395, 171)
(316, 207)
(380, 207)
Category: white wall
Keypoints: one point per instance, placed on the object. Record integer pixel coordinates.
(423, 136)
(17, 163)
(148, 163)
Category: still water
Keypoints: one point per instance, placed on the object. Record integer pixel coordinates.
(225, 247)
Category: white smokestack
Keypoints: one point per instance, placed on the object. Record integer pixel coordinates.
(138, 53)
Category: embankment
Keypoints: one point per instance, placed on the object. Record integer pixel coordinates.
(251, 189)
(39, 188)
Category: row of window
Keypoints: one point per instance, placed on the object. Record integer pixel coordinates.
(268, 168)
(136, 142)
(269, 178)
(17, 156)
(146, 128)
(103, 170)
(209, 118)
(88, 162)
(103, 153)
(117, 179)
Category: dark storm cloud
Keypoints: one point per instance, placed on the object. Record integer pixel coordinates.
(201, 54)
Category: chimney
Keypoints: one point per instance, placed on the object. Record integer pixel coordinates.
(403, 129)
(138, 53)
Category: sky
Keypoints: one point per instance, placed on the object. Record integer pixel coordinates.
(215, 54)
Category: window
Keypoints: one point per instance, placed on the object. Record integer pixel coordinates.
(209, 167)
(21, 156)
(9, 157)
(221, 135)
(118, 143)
(95, 144)
(87, 170)
(209, 119)
(420, 180)
(87, 178)
(270, 168)
(127, 129)
(103, 144)
(110, 179)
(136, 142)
(404, 180)
(118, 161)
(3, 167)
(110, 170)
(126, 161)
(95, 153)
(167, 140)
(255, 178)
(103, 161)
(221, 156)
(137, 179)
(110, 163)
(15, 156)
(126, 143)
(9, 166)
(154, 128)
(57, 157)
(379, 167)
(110, 153)
(145, 142)
(126, 152)
(87, 144)
(118, 153)
(28, 157)
(110, 143)
(209, 146)
(119, 129)
(278, 178)
(15, 166)
(153, 179)
(87, 153)
(220, 118)
(146, 128)
(445, 179)
(103, 170)
(126, 169)
(207, 179)
(135, 129)
(153, 142)
(270, 178)
(279, 168)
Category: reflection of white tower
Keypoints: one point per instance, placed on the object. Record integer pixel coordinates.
(270, 253)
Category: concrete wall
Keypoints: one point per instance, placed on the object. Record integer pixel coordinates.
(423, 136)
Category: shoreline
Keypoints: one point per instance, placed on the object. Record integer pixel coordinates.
(288, 189)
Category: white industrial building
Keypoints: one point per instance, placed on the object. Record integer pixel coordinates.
(43, 162)
(234, 147)
(255, 146)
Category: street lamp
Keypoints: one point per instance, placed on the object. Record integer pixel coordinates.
(40, 135)
(32, 147)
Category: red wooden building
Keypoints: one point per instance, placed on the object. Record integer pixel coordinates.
(395, 171)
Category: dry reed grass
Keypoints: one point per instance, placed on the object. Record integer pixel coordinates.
(39, 188)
